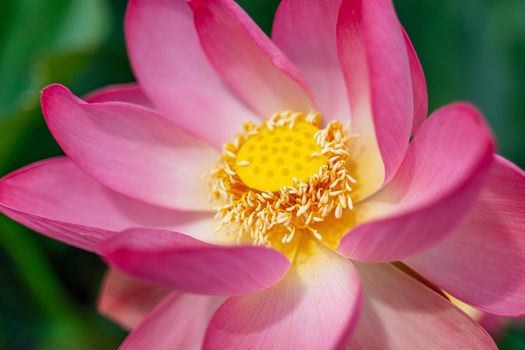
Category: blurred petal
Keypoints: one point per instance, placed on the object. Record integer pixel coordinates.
(131, 149)
(171, 67)
(306, 32)
(248, 60)
(483, 262)
(181, 262)
(316, 306)
(376, 65)
(126, 300)
(131, 93)
(436, 185)
(179, 322)
(54, 197)
(401, 313)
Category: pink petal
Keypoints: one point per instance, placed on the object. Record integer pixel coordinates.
(171, 67)
(131, 149)
(419, 86)
(401, 313)
(126, 300)
(179, 322)
(376, 66)
(248, 60)
(483, 262)
(306, 32)
(437, 183)
(56, 198)
(315, 307)
(179, 261)
(131, 93)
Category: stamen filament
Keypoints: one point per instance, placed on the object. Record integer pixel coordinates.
(268, 216)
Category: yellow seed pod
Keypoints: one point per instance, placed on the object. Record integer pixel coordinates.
(273, 158)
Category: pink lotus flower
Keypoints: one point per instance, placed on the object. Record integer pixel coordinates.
(295, 249)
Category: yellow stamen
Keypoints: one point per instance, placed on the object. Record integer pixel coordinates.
(283, 179)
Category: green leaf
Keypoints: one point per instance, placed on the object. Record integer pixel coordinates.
(36, 31)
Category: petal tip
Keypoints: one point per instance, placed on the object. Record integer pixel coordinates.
(49, 96)
(54, 89)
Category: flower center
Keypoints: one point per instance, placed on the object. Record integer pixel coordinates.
(284, 179)
(279, 157)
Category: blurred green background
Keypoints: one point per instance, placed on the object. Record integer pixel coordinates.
(471, 50)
